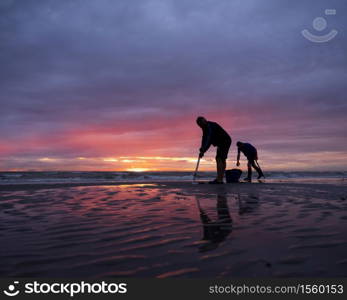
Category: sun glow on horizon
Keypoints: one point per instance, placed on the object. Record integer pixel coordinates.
(113, 163)
(111, 159)
(47, 159)
(140, 170)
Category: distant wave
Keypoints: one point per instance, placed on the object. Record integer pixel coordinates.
(82, 177)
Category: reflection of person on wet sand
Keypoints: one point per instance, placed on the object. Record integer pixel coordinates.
(216, 231)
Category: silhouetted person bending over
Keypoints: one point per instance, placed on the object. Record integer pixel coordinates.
(214, 134)
(251, 153)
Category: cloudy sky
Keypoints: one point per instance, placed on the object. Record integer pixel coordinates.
(118, 84)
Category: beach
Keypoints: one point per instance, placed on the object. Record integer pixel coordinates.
(173, 229)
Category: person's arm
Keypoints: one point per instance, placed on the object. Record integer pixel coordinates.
(238, 157)
(206, 141)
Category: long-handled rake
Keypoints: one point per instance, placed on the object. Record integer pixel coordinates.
(196, 171)
(260, 168)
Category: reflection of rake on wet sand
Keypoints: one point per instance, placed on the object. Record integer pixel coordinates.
(203, 216)
(198, 204)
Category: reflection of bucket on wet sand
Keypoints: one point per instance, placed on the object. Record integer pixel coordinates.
(248, 204)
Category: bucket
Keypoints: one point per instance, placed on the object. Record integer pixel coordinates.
(233, 175)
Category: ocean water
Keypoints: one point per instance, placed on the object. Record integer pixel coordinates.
(111, 177)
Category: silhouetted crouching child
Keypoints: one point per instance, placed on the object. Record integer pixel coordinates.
(252, 156)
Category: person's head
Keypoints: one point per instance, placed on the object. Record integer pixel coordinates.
(239, 144)
(201, 121)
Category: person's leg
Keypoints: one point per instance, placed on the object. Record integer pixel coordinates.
(221, 165)
(224, 156)
(224, 162)
(260, 172)
(219, 178)
(221, 157)
(249, 175)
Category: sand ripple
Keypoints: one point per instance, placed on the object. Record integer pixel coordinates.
(174, 231)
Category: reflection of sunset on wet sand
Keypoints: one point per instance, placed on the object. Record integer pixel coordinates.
(174, 230)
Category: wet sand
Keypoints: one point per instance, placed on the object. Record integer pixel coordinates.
(173, 230)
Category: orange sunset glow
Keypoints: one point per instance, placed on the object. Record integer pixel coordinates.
(91, 91)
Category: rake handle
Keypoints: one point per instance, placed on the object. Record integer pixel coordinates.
(196, 169)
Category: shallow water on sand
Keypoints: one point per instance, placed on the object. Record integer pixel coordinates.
(148, 230)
